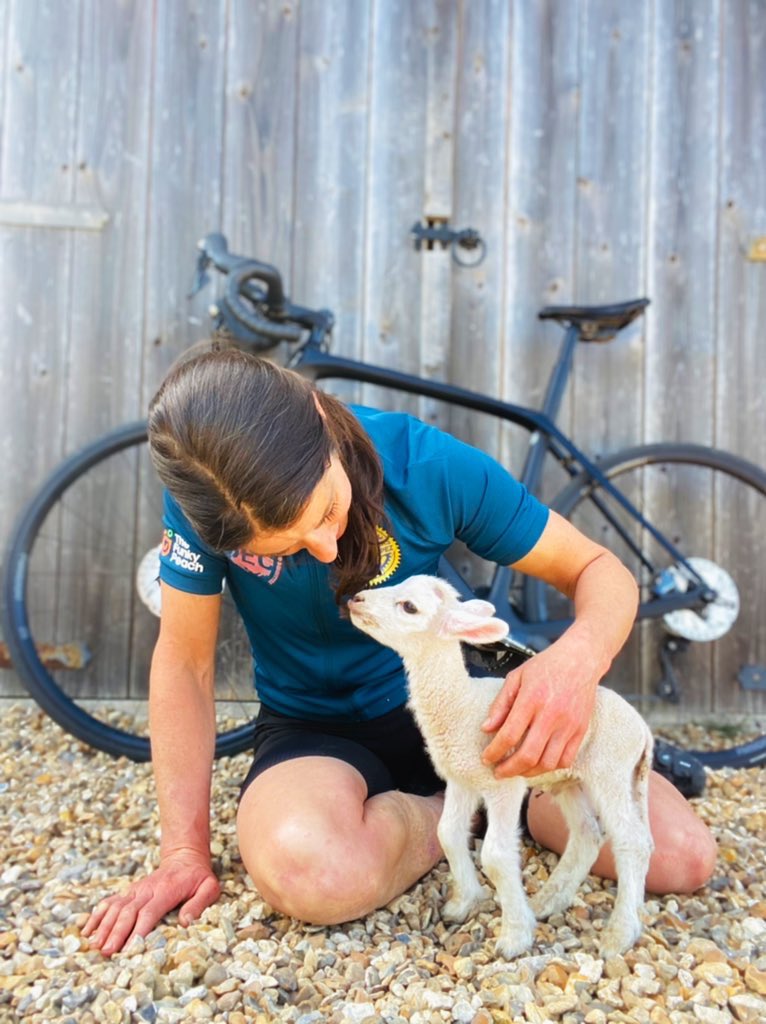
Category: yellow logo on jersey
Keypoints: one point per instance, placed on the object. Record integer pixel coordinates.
(390, 557)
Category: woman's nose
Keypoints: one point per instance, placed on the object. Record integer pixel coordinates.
(323, 545)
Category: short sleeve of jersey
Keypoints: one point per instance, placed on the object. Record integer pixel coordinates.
(442, 489)
(493, 514)
(185, 562)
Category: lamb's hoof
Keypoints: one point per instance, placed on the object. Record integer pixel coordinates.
(618, 938)
(545, 903)
(510, 946)
(458, 909)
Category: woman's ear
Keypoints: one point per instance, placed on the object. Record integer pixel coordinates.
(318, 404)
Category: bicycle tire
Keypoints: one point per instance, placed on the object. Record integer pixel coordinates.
(728, 479)
(53, 539)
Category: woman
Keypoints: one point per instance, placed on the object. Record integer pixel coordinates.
(298, 502)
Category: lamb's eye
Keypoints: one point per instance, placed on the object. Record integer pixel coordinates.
(409, 607)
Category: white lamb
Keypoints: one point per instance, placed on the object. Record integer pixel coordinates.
(602, 796)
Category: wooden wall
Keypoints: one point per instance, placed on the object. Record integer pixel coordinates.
(604, 149)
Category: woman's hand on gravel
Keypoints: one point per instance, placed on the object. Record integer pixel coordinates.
(184, 879)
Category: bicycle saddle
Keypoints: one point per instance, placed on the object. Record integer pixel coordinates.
(596, 323)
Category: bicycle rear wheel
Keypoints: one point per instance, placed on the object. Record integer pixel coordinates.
(78, 633)
(712, 506)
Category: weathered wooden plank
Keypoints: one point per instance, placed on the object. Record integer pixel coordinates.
(330, 167)
(186, 173)
(36, 165)
(613, 150)
(110, 272)
(681, 276)
(98, 601)
(260, 129)
(395, 189)
(680, 338)
(540, 216)
(606, 410)
(441, 59)
(741, 355)
(5, 8)
(740, 403)
(481, 145)
(476, 356)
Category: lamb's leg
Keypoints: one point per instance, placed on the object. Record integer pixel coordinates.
(501, 860)
(625, 818)
(454, 831)
(583, 845)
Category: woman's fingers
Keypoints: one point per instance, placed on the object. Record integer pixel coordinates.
(96, 917)
(510, 733)
(503, 702)
(117, 919)
(115, 924)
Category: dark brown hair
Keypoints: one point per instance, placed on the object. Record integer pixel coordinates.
(241, 445)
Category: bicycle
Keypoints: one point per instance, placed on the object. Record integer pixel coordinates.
(64, 602)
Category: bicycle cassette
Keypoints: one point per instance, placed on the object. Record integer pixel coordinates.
(715, 619)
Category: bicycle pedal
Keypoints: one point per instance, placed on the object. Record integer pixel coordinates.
(680, 768)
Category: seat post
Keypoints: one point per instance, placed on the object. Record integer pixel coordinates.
(530, 474)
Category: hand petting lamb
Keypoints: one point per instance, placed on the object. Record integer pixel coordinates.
(602, 796)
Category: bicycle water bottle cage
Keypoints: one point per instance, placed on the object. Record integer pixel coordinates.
(596, 323)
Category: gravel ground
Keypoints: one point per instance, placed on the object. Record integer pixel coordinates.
(76, 824)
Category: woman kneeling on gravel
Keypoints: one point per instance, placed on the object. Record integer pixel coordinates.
(296, 502)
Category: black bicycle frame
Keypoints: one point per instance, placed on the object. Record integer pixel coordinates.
(315, 363)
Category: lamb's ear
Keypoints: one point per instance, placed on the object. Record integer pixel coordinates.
(462, 624)
(477, 607)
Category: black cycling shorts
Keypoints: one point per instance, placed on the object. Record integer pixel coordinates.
(388, 751)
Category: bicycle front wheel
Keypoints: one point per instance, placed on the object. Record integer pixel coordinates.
(711, 506)
(79, 633)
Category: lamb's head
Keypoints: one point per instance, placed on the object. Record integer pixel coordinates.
(422, 610)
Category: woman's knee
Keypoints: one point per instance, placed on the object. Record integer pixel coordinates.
(308, 858)
(685, 850)
(685, 856)
(320, 879)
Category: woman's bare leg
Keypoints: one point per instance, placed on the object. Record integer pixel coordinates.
(319, 850)
(685, 851)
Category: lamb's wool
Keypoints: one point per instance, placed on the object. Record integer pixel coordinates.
(602, 796)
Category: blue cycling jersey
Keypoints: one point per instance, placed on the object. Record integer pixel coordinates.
(310, 661)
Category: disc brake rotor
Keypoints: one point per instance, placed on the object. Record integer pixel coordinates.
(715, 619)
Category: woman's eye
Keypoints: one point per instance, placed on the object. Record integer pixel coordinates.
(409, 607)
